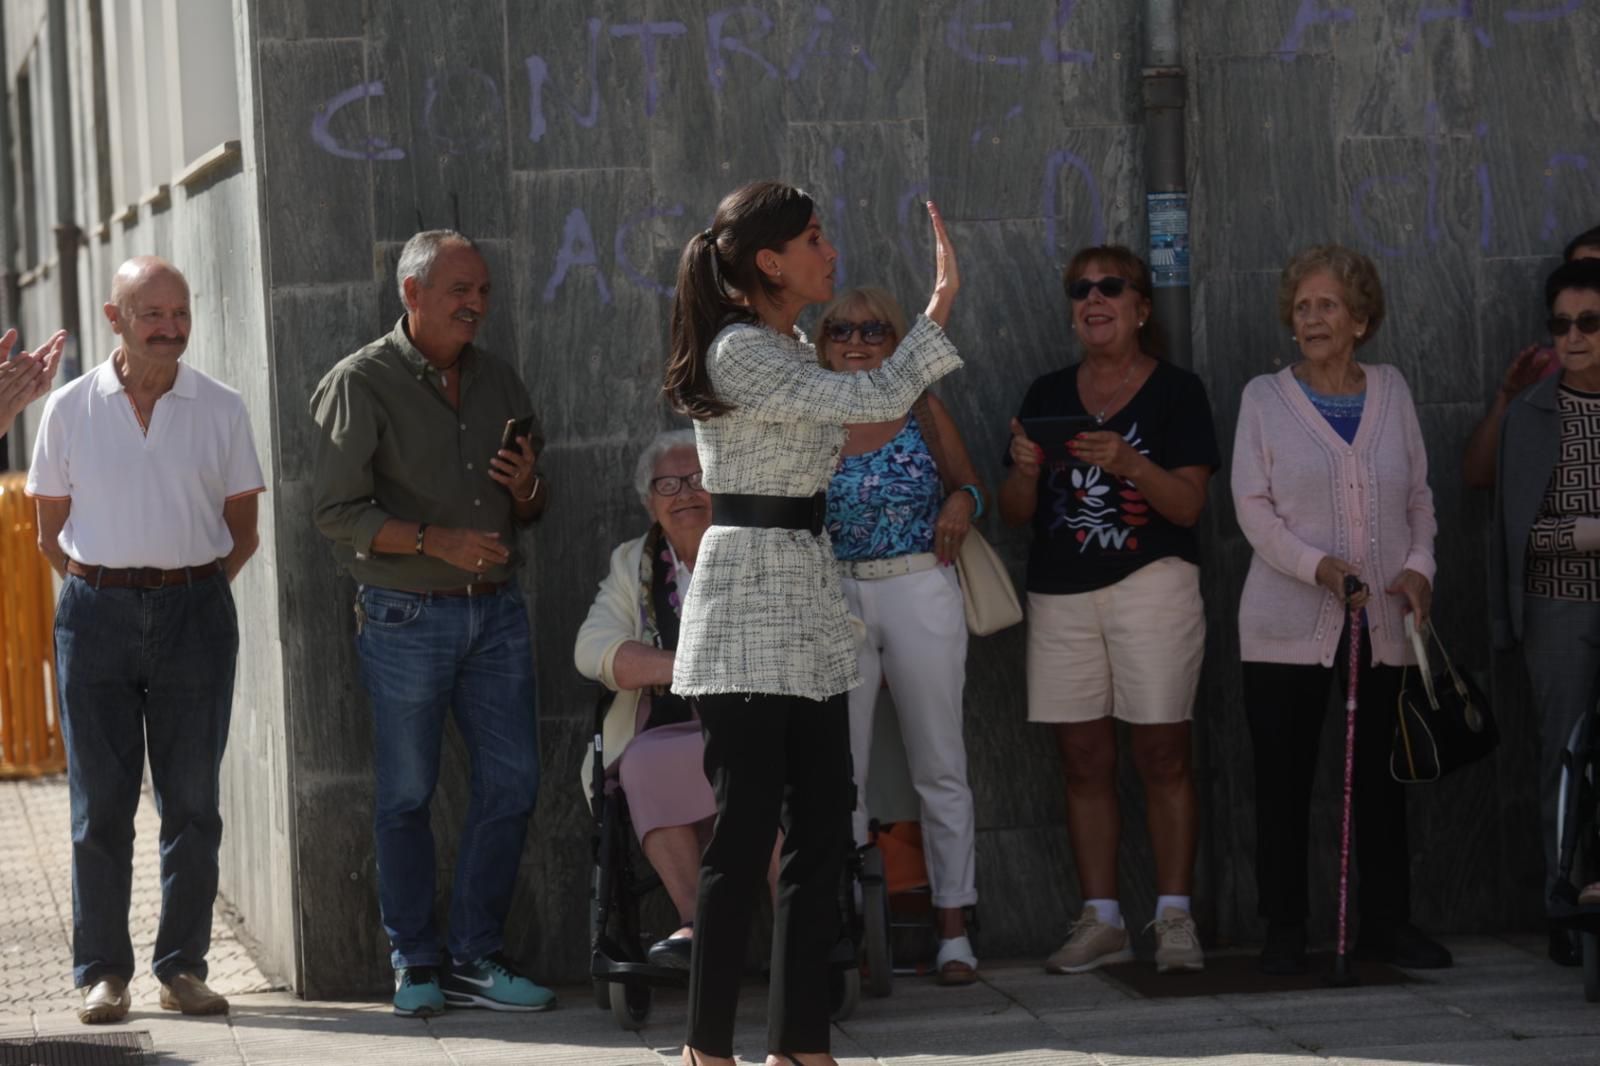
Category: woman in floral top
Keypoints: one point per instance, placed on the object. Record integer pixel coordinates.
(896, 532)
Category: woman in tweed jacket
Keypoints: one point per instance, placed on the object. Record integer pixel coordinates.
(766, 648)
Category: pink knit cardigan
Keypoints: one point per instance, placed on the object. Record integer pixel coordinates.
(1301, 493)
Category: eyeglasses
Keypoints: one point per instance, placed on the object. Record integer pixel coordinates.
(1110, 286)
(672, 484)
(1561, 325)
(872, 332)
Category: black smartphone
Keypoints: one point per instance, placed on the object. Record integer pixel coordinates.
(1052, 434)
(520, 427)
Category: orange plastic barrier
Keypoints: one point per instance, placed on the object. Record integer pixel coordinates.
(30, 718)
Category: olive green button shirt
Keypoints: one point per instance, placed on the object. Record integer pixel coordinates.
(392, 447)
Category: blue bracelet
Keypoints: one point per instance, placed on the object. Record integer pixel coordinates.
(977, 498)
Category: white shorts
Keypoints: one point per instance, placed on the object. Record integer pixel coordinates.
(1132, 650)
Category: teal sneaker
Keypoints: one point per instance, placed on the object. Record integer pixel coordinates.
(417, 993)
(494, 983)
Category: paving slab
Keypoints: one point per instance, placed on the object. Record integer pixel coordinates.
(1503, 1003)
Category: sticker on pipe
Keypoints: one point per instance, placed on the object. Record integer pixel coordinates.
(1168, 214)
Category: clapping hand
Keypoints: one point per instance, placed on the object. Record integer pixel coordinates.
(1525, 368)
(28, 376)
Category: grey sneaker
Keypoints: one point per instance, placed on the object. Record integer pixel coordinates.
(1177, 943)
(1090, 944)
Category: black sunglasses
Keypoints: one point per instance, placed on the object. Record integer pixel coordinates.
(672, 484)
(1110, 286)
(872, 332)
(1561, 325)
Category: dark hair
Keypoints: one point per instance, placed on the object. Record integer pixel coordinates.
(1589, 238)
(1125, 263)
(1582, 274)
(717, 273)
(1356, 274)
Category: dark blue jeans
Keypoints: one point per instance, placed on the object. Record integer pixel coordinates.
(136, 669)
(421, 656)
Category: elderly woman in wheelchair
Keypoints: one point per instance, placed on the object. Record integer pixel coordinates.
(651, 738)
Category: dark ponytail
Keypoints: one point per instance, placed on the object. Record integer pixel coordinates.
(716, 272)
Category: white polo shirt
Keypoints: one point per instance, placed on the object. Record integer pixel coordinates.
(145, 499)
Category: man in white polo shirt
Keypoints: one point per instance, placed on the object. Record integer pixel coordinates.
(146, 480)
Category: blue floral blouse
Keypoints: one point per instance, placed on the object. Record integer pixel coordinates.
(884, 503)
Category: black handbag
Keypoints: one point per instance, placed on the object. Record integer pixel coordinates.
(1444, 718)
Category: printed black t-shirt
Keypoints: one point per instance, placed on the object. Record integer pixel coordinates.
(1092, 529)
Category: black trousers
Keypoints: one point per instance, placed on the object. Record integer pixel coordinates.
(771, 760)
(1286, 705)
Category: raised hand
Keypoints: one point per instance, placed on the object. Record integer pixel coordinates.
(1525, 368)
(946, 275)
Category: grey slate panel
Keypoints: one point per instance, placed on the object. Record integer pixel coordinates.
(445, 104)
(299, 80)
(325, 18)
(1272, 191)
(857, 62)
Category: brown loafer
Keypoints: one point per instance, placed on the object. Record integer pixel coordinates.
(105, 1001)
(187, 993)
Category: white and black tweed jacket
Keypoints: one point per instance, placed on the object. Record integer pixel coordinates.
(765, 612)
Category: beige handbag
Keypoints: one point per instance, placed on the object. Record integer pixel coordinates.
(986, 589)
(987, 593)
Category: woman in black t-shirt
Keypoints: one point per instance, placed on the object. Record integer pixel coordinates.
(1114, 485)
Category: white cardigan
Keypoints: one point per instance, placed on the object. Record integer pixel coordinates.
(765, 612)
(614, 619)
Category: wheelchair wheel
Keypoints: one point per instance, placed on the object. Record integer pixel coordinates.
(1591, 966)
(875, 924)
(630, 1004)
(844, 992)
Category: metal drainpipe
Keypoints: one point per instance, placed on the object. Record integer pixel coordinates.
(68, 234)
(1166, 188)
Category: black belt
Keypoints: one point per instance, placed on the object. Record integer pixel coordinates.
(769, 512)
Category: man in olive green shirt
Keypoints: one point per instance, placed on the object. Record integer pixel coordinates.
(423, 506)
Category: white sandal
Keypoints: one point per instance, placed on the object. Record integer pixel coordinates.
(956, 950)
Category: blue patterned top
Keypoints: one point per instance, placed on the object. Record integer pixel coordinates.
(884, 503)
(1342, 412)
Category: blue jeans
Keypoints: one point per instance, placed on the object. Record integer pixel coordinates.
(136, 669)
(421, 656)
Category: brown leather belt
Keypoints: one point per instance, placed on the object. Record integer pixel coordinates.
(482, 588)
(140, 577)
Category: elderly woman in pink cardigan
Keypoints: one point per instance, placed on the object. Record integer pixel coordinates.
(1330, 479)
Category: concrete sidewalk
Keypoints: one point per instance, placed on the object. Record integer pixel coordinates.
(1502, 1004)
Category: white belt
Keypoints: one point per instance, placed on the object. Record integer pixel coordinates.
(876, 569)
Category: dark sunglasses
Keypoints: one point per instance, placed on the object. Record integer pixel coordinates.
(872, 332)
(672, 484)
(1110, 287)
(1561, 325)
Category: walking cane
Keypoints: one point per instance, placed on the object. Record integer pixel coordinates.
(1342, 976)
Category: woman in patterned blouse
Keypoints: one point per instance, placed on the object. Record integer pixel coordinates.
(1545, 555)
(896, 532)
(765, 649)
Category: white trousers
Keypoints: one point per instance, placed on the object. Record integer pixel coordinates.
(917, 638)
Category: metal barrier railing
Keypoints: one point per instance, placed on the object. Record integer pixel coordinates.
(30, 717)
